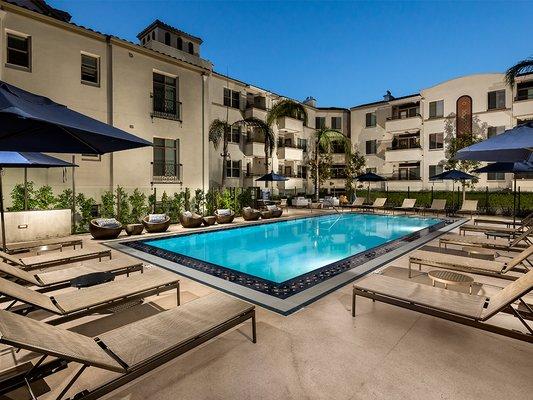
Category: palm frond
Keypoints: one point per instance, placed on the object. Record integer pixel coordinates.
(326, 136)
(287, 108)
(522, 67)
(217, 131)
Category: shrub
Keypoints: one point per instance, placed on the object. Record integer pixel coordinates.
(176, 206)
(44, 198)
(108, 205)
(123, 206)
(198, 201)
(17, 197)
(64, 200)
(138, 207)
(84, 206)
(187, 199)
(211, 201)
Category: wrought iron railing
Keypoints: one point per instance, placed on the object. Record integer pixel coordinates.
(166, 172)
(166, 108)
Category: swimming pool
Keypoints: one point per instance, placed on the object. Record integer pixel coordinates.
(284, 258)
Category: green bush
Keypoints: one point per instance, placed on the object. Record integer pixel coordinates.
(187, 199)
(84, 206)
(44, 198)
(123, 206)
(107, 209)
(17, 197)
(211, 201)
(138, 207)
(64, 199)
(177, 206)
(198, 201)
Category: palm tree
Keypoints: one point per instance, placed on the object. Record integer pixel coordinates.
(324, 138)
(522, 67)
(283, 108)
(219, 132)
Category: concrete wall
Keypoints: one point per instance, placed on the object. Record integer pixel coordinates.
(31, 225)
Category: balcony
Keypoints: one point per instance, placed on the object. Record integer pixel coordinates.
(252, 111)
(398, 124)
(163, 172)
(294, 182)
(290, 153)
(290, 125)
(523, 104)
(254, 149)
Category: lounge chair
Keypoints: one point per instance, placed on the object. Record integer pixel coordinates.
(224, 216)
(519, 262)
(53, 280)
(465, 309)
(74, 304)
(379, 204)
(250, 214)
(21, 247)
(265, 214)
(131, 350)
(190, 220)
(156, 223)
(468, 207)
(487, 228)
(519, 243)
(105, 228)
(407, 205)
(275, 211)
(52, 259)
(437, 206)
(357, 203)
(507, 222)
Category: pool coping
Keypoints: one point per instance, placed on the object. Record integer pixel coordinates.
(284, 306)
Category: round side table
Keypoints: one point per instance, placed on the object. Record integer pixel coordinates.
(209, 220)
(96, 278)
(134, 229)
(480, 252)
(451, 278)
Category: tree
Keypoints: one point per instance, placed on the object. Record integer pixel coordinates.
(354, 166)
(219, 131)
(324, 138)
(267, 133)
(520, 68)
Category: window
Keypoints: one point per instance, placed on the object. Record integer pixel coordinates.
(302, 144)
(18, 50)
(524, 90)
(338, 171)
(336, 123)
(435, 170)
(235, 135)
(233, 169)
(232, 98)
(90, 69)
(179, 43)
(436, 141)
(406, 141)
(166, 159)
(409, 172)
(370, 119)
(371, 146)
(165, 97)
(436, 109)
(302, 171)
(494, 130)
(287, 171)
(495, 176)
(496, 100)
(167, 38)
(191, 48)
(320, 122)
(91, 157)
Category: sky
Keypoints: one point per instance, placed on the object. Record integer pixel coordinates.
(341, 53)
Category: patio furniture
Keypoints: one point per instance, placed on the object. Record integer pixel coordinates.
(53, 259)
(53, 280)
(437, 206)
(250, 214)
(331, 201)
(283, 204)
(407, 205)
(275, 211)
(122, 354)
(462, 308)
(105, 228)
(300, 202)
(92, 279)
(21, 247)
(191, 220)
(156, 223)
(209, 220)
(134, 229)
(473, 265)
(315, 206)
(451, 278)
(357, 203)
(265, 214)
(379, 204)
(487, 228)
(468, 207)
(480, 252)
(224, 216)
(519, 243)
(74, 304)
(504, 221)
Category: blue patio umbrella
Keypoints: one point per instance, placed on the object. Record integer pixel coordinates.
(453, 175)
(272, 177)
(514, 144)
(29, 122)
(12, 159)
(509, 167)
(369, 177)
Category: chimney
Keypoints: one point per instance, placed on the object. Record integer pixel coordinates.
(388, 96)
(310, 101)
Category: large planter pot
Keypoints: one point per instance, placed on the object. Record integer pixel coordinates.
(102, 232)
(224, 219)
(156, 227)
(193, 221)
(250, 214)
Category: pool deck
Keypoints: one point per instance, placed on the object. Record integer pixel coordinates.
(321, 352)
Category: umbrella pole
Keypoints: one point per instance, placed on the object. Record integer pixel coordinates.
(368, 194)
(73, 213)
(514, 202)
(2, 213)
(25, 189)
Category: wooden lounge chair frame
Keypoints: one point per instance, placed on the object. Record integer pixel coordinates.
(48, 259)
(438, 302)
(469, 207)
(407, 205)
(33, 301)
(106, 358)
(357, 203)
(514, 245)
(379, 204)
(22, 247)
(506, 222)
(437, 206)
(518, 263)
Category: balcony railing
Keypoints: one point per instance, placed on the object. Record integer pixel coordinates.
(166, 108)
(165, 172)
(526, 95)
(292, 146)
(405, 175)
(395, 117)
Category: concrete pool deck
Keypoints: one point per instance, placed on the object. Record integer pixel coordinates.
(321, 352)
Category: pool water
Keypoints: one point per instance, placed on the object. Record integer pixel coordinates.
(281, 251)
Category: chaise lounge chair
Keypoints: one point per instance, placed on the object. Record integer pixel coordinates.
(53, 259)
(357, 203)
(487, 228)
(224, 216)
(53, 280)
(468, 207)
(250, 214)
(74, 304)
(21, 247)
(131, 350)
(156, 223)
(519, 243)
(105, 228)
(275, 211)
(473, 265)
(503, 221)
(379, 204)
(437, 206)
(465, 309)
(191, 220)
(407, 205)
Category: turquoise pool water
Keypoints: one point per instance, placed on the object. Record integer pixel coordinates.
(284, 250)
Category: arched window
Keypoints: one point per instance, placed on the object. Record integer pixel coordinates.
(167, 38)
(180, 43)
(191, 48)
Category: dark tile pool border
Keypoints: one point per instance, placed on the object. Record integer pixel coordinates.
(285, 297)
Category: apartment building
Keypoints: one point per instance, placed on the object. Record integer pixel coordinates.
(405, 138)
